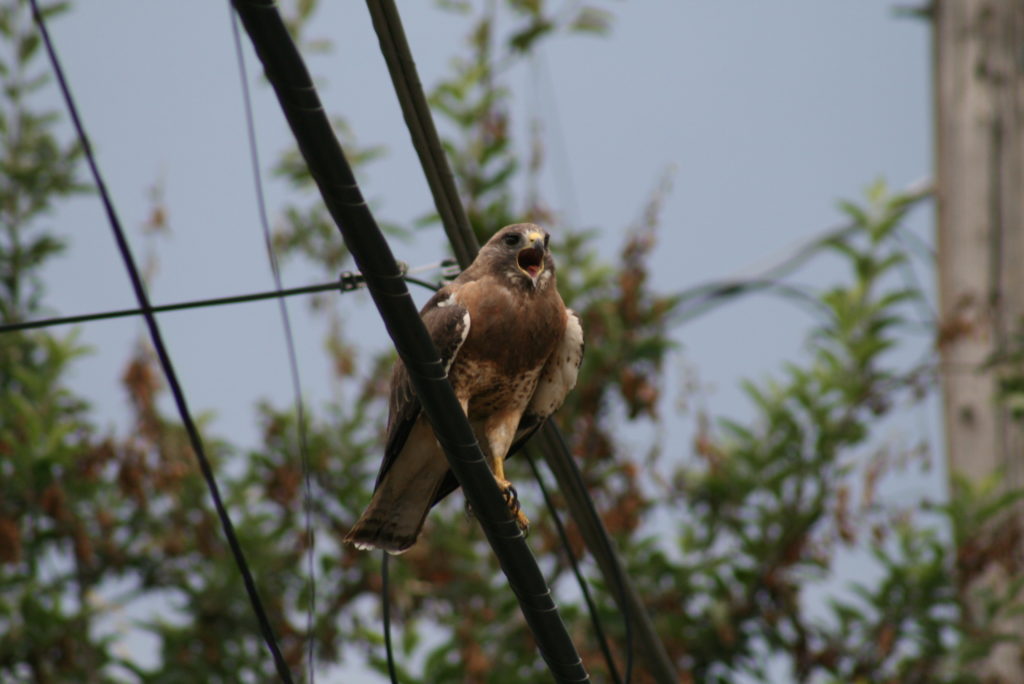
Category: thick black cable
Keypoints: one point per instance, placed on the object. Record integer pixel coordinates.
(551, 443)
(293, 363)
(401, 66)
(165, 360)
(416, 110)
(595, 619)
(619, 572)
(328, 166)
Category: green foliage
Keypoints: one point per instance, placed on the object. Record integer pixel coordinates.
(769, 509)
(35, 167)
(1008, 364)
(474, 104)
(309, 230)
(730, 552)
(47, 491)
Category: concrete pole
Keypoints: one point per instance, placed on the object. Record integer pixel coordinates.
(979, 114)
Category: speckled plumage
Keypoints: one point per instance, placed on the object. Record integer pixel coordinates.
(512, 350)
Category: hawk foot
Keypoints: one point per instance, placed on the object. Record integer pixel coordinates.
(512, 501)
(511, 497)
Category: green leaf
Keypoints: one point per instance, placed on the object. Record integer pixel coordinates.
(592, 20)
(27, 47)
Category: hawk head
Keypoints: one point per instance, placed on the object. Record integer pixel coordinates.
(520, 252)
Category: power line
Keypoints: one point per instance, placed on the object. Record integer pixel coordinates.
(293, 362)
(402, 68)
(580, 580)
(297, 95)
(163, 308)
(385, 604)
(551, 443)
(348, 282)
(767, 274)
(164, 356)
(426, 141)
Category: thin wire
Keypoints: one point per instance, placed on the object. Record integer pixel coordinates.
(349, 282)
(620, 583)
(385, 601)
(794, 256)
(547, 99)
(293, 363)
(165, 360)
(594, 619)
(421, 283)
(179, 306)
(703, 299)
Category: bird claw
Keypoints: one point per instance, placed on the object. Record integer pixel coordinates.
(511, 497)
(512, 501)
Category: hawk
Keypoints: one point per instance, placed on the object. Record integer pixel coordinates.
(512, 351)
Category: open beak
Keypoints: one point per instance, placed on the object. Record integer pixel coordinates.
(531, 259)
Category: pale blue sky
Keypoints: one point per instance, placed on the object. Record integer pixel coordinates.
(767, 112)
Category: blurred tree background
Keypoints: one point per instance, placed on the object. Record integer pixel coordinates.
(738, 550)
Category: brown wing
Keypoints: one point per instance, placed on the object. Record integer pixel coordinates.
(448, 324)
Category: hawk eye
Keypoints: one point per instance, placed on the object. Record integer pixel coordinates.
(512, 239)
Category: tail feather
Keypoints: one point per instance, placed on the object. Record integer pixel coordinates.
(389, 524)
(400, 504)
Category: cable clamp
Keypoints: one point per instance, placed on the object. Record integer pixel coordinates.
(350, 280)
(450, 270)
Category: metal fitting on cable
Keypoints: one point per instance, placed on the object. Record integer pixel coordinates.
(450, 270)
(350, 280)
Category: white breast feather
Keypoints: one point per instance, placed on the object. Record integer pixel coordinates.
(465, 334)
(559, 374)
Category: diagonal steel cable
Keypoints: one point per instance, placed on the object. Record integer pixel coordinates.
(329, 167)
(563, 535)
(165, 360)
(416, 111)
(418, 119)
